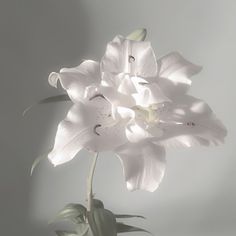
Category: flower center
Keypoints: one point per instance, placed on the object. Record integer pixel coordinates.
(147, 114)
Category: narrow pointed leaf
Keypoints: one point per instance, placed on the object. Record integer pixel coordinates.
(102, 222)
(72, 212)
(128, 216)
(66, 233)
(123, 228)
(53, 99)
(36, 162)
(138, 35)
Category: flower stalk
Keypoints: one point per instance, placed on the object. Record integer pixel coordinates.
(90, 182)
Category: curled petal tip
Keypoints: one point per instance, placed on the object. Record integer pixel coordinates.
(53, 78)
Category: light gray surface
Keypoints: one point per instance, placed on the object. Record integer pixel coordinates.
(197, 195)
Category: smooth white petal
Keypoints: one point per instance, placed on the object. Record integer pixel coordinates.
(67, 141)
(125, 112)
(76, 80)
(174, 74)
(131, 57)
(190, 121)
(143, 165)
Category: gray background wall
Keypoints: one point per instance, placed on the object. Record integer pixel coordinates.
(197, 196)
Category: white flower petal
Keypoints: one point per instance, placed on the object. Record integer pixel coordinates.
(148, 93)
(174, 74)
(87, 125)
(190, 121)
(121, 82)
(136, 132)
(75, 80)
(117, 98)
(143, 165)
(67, 141)
(128, 56)
(125, 112)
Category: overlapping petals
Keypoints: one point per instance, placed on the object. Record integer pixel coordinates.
(136, 106)
(76, 80)
(190, 121)
(130, 57)
(87, 125)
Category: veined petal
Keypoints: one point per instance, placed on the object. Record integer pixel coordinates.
(131, 57)
(87, 125)
(190, 121)
(75, 80)
(143, 165)
(67, 141)
(174, 74)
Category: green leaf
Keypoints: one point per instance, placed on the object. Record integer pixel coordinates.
(138, 35)
(72, 212)
(123, 228)
(128, 216)
(97, 203)
(58, 98)
(65, 233)
(36, 162)
(102, 222)
(82, 229)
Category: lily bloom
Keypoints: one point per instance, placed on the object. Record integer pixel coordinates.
(136, 106)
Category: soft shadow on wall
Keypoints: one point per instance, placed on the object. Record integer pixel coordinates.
(36, 37)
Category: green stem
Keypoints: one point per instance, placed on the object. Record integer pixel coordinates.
(90, 182)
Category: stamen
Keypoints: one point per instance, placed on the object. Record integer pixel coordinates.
(191, 124)
(97, 95)
(95, 129)
(131, 59)
(143, 83)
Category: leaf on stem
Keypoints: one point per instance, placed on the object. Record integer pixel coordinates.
(58, 98)
(102, 222)
(128, 216)
(123, 228)
(98, 203)
(66, 233)
(72, 212)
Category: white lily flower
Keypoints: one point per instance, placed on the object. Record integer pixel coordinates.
(136, 106)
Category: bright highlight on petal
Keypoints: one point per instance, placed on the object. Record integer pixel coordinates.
(143, 165)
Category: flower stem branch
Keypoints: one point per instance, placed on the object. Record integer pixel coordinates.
(90, 182)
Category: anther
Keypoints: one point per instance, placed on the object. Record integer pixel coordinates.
(95, 129)
(97, 95)
(191, 124)
(131, 59)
